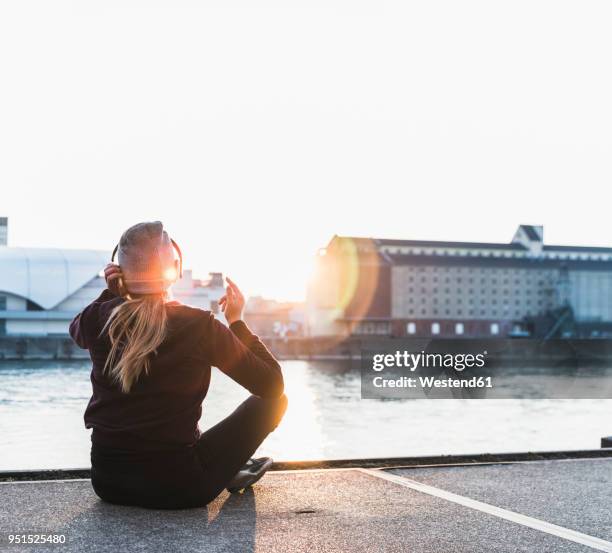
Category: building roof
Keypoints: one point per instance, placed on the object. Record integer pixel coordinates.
(445, 244)
(398, 242)
(531, 233)
(47, 276)
(510, 246)
(578, 249)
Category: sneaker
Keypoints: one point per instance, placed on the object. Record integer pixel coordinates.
(250, 473)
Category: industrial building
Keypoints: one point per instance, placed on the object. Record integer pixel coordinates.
(384, 287)
(42, 289)
(273, 319)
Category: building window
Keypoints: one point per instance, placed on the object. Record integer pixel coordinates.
(459, 328)
(411, 328)
(435, 328)
(494, 328)
(2, 327)
(2, 303)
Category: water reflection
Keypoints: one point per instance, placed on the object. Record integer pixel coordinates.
(301, 431)
(42, 404)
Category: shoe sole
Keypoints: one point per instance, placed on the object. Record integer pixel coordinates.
(252, 478)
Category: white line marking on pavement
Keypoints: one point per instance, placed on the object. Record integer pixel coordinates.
(54, 481)
(536, 524)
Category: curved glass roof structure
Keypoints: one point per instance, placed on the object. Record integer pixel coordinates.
(47, 276)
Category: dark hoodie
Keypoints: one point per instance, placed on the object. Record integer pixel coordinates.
(162, 409)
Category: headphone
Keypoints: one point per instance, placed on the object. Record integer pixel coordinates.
(176, 247)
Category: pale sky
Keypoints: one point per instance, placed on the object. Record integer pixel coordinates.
(257, 130)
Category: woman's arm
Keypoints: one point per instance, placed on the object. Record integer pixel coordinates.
(239, 353)
(243, 357)
(80, 327)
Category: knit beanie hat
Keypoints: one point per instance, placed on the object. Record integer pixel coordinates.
(146, 258)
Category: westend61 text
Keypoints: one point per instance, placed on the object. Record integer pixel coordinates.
(431, 382)
(413, 361)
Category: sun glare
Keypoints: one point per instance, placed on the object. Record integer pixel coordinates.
(300, 433)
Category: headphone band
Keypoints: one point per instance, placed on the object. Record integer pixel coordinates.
(174, 244)
(180, 256)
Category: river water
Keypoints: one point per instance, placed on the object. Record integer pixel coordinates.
(42, 404)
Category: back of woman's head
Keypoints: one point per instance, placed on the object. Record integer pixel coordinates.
(137, 326)
(146, 258)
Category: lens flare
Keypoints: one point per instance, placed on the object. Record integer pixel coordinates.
(344, 286)
(170, 273)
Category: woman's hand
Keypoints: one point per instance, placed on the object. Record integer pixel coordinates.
(113, 275)
(232, 303)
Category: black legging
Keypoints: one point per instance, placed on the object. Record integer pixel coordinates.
(190, 476)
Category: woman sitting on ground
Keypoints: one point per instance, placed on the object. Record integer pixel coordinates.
(152, 361)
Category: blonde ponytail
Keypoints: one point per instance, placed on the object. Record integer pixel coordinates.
(136, 329)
